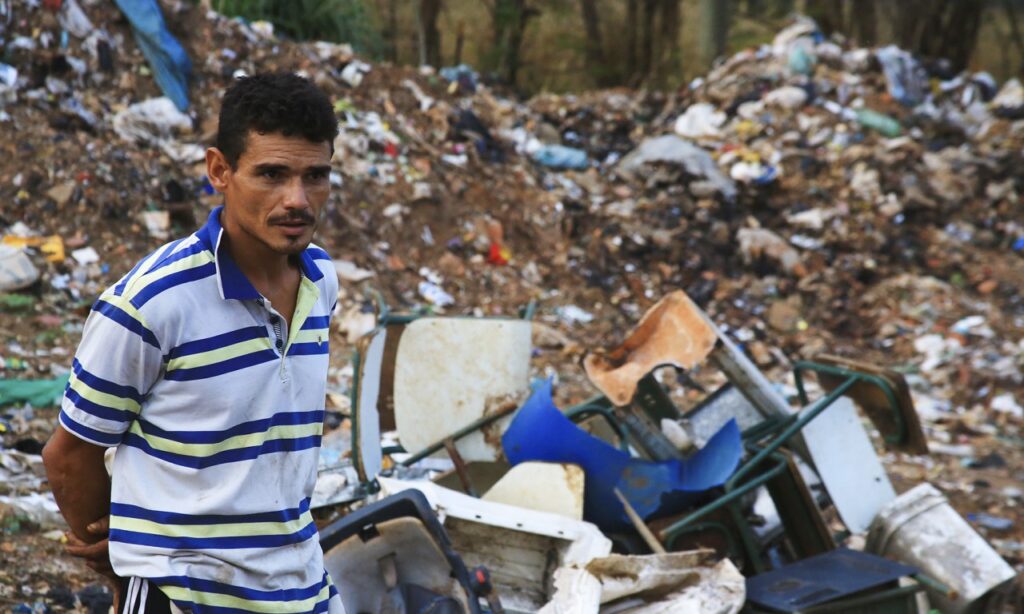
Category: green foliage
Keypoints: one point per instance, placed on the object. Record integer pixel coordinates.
(339, 21)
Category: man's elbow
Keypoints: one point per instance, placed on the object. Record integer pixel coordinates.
(64, 453)
(53, 459)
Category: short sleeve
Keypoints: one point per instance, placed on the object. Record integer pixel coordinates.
(117, 362)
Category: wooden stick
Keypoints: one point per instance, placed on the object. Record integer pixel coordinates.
(641, 527)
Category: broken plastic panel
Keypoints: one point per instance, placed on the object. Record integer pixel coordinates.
(848, 465)
(823, 579)
(545, 487)
(540, 432)
(451, 372)
(521, 548)
(366, 426)
(670, 333)
(404, 532)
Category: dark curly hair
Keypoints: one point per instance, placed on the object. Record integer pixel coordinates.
(283, 103)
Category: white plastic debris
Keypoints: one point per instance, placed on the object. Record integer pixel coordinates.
(151, 121)
(73, 19)
(185, 153)
(40, 508)
(758, 242)
(700, 121)
(571, 314)
(1007, 403)
(8, 75)
(350, 271)
(673, 149)
(1011, 96)
(435, 294)
(676, 582)
(936, 349)
(787, 97)
(355, 323)
(85, 256)
(16, 269)
(158, 223)
(973, 325)
(354, 72)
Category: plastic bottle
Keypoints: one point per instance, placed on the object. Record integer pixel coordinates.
(879, 122)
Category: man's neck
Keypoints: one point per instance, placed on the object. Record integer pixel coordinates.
(263, 267)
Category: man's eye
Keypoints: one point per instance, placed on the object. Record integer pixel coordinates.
(270, 174)
(318, 175)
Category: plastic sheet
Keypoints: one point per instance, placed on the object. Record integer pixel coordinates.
(171, 66)
(540, 432)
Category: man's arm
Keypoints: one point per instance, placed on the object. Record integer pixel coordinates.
(79, 482)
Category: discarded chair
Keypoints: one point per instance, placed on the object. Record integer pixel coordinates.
(522, 548)
(770, 425)
(394, 554)
(466, 408)
(448, 384)
(443, 383)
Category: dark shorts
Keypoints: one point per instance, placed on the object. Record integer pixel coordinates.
(138, 596)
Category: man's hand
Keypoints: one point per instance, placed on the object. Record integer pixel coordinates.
(96, 554)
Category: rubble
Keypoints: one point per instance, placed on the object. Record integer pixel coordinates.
(809, 197)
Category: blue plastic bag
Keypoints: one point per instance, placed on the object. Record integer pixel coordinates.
(171, 66)
(562, 157)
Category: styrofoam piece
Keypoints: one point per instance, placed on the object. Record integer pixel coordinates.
(544, 487)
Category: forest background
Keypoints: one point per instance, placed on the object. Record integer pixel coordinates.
(571, 45)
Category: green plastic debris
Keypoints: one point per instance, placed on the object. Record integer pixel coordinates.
(36, 392)
(879, 122)
(16, 302)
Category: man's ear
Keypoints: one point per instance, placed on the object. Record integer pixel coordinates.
(217, 169)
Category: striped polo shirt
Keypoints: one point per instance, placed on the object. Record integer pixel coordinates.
(216, 406)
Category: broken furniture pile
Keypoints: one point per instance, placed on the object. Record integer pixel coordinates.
(536, 499)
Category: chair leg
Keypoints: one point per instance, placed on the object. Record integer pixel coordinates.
(460, 467)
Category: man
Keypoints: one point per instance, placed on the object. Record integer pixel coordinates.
(206, 366)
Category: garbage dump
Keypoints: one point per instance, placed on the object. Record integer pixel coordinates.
(774, 317)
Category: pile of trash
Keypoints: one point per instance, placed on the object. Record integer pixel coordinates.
(813, 199)
(624, 502)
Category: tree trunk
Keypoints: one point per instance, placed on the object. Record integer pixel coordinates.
(1011, 17)
(502, 17)
(430, 36)
(645, 42)
(460, 41)
(961, 32)
(940, 28)
(632, 28)
(864, 22)
(828, 14)
(669, 38)
(714, 30)
(783, 8)
(912, 18)
(510, 20)
(391, 32)
(593, 48)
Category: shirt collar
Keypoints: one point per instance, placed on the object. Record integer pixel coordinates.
(232, 281)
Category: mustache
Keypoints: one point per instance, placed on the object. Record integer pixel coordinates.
(296, 216)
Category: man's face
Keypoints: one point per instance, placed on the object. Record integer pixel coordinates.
(276, 193)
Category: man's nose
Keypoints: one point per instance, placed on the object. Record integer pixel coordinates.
(295, 195)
